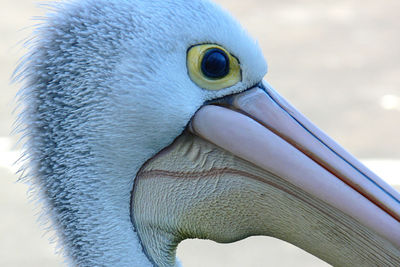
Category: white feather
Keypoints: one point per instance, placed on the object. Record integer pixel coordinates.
(105, 88)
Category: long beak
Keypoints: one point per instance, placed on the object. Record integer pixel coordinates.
(262, 128)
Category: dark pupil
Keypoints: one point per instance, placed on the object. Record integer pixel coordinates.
(215, 64)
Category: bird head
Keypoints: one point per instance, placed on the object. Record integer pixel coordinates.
(149, 122)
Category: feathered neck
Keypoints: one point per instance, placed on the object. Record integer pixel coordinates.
(77, 163)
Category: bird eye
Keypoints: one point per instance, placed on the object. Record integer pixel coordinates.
(212, 67)
(215, 64)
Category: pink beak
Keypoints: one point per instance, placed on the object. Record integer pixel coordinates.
(262, 128)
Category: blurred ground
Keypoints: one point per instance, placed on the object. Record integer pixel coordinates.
(338, 61)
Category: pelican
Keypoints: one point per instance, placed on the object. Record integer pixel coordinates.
(149, 122)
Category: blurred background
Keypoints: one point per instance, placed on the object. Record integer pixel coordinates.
(338, 61)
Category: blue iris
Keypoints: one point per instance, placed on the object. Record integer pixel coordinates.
(215, 64)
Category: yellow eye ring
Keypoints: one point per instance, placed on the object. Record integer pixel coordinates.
(211, 67)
